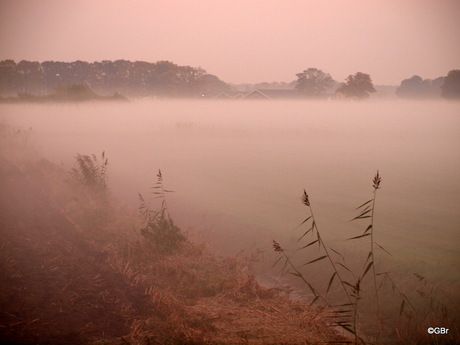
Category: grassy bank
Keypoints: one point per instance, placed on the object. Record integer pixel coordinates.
(74, 271)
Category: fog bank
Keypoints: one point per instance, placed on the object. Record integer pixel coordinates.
(238, 168)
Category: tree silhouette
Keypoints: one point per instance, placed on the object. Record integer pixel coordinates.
(139, 78)
(312, 82)
(357, 86)
(416, 87)
(451, 87)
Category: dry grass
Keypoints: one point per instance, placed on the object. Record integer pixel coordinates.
(375, 308)
(73, 272)
(200, 299)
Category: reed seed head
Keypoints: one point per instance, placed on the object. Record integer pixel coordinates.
(277, 247)
(305, 200)
(377, 179)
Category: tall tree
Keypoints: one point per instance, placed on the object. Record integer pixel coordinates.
(451, 87)
(357, 86)
(312, 82)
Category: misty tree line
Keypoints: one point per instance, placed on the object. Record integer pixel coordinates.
(314, 83)
(166, 79)
(139, 78)
(446, 87)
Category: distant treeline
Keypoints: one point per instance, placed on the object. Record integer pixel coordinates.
(416, 87)
(139, 78)
(166, 79)
(72, 93)
(314, 83)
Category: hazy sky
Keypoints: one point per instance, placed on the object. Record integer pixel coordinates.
(243, 41)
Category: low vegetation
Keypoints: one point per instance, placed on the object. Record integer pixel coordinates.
(74, 271)
(368, 303)
(159, 229)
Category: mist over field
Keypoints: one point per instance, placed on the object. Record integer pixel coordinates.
(213, 172)
(238, 168)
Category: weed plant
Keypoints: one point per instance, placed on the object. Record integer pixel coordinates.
(360, 314)
(88, 180)
(159, 228)
(91, 174)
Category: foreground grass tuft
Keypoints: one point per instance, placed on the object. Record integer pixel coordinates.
(159, 228)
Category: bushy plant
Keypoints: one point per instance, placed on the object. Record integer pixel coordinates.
(91, 174)
(159, 228)
(91, 203)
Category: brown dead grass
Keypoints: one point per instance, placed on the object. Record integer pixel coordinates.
(200, 299)
(73, 272)
(273, 320)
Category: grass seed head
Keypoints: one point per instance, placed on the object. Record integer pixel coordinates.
(377, 179)
(277, 247)
(305, 199)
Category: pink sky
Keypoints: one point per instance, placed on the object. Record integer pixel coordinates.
(243, 41)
